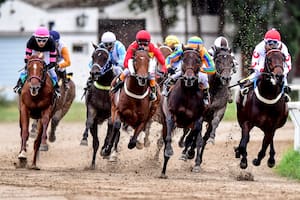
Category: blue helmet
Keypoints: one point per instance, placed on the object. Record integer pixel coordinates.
(55, 35)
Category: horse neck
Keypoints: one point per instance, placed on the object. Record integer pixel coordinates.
(106, 78)
(267, 90)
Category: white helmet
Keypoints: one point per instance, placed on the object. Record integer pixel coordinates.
(221, 42)
(108, 37)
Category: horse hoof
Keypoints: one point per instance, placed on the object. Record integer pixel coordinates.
(32, 134)
(169, 152)
(105, 153)
(211, 141)
(131, 145)
(43, 147)
(92, 167)
(22, 163)
(163, 176)
(243, 165)
(196, 169)
(52, 138)
(256, 162)
(139, 145)
(191, 154)
(84, 142)
(181, 144)
(271, 163)
(34, 167)
(22, 155)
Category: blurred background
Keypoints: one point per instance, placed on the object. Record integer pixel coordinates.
(82, 22)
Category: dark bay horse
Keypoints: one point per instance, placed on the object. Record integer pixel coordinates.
(184, 106)
(60, 109)
(263, 107)
(219, 92)
(131, 103)
(35, 102)
(97, 98)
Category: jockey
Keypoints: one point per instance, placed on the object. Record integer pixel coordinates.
(143, 40)
(173, 42)
(272, 40)
(116, 51)
(222, 43)
(63, 56)
(40, 41)
(208, 68)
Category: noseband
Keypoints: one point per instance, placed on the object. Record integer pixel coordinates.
(192, 67)
(106, 67)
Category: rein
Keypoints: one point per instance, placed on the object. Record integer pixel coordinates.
(106, 67)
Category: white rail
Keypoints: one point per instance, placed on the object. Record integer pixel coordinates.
(294, 112)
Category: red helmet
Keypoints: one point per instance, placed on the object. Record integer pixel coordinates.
(273, 34)
(143, 35)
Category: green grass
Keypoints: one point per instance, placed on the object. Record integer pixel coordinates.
(77, 113)
(289, 165)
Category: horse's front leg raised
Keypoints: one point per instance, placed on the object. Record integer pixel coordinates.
(268, 140)
(199, 144)
(90, 116)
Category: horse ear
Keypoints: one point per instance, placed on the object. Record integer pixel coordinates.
(94, 45)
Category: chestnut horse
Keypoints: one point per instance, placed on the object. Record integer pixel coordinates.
(131, 103)
(263, 107)
(35, 102)
(184, 106)
(97, 98)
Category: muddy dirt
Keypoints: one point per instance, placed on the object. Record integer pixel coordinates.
(65, 175)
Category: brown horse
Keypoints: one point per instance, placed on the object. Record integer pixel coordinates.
(36, 102)
(60, 109)
(184, 106)
(219, 92)
(263, 107)
(131, 104)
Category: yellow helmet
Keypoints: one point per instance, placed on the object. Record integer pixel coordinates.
(171, 40)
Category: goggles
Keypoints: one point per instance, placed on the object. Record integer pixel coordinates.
(143, 43)
(108, 44)
(272, 43)
(41, 39)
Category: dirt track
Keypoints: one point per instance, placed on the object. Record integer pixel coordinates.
(64, 173)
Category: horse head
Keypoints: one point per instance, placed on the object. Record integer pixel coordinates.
(224, 65)
(139, 67)
(36, 73)
(273, 69)
(191, 63)
(100, 63)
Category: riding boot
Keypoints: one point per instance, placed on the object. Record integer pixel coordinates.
(18, 87)
(119, 83)
(152, 95)
(166, 87)
(287, 90)
(206, 97)
(56, 90)
(65, 80)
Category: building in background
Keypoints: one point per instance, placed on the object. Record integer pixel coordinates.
(81, 23)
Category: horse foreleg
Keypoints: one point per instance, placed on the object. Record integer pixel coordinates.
(33, 131)
(218, 116)
(199, 143)
(94, 132)
(37, 144)
(107, 137)
(54, 123)
(266, 141)
(24, 133)
(44, 123)
(241, 150)
(90, 116)
(181, 140)
(271, 160)
(137, 131)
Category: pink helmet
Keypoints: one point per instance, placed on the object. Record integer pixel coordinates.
(41, 32)
(273, 34)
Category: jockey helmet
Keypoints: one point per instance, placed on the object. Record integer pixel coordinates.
(272, 34)
(171, 40)
(55, 35)
(221, 42)
(272, 39)
(194, 42)
(108, 37)
(41, 32)
(143, 35)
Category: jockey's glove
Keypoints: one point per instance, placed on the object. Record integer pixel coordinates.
(171, 70)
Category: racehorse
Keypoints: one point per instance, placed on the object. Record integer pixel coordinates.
(60, 109)
(263, 107)
(184, 106)
(219, 92)
(35, 101)
(97, 98)
(131, 103)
